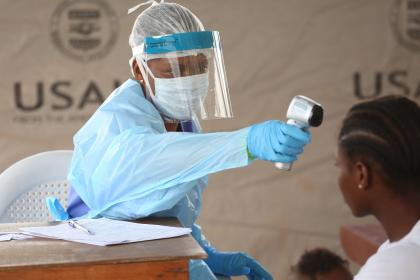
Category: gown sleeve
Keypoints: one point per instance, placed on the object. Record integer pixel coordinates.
(124, 154)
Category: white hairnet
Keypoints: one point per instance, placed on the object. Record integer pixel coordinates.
(163, 19)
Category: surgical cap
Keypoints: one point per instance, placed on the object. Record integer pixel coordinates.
(163, 19)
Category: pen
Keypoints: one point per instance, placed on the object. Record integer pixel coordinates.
(76, 225)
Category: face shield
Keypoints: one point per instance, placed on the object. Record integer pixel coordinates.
(185, 75)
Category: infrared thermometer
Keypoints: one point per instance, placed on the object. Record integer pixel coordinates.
(303, 112)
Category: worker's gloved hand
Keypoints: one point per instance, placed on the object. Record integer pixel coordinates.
(235, 264)
(56, 210)
(276, 141)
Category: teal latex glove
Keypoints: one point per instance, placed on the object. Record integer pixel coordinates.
(56, 210)
(235, 264)
(276, 141)
(230, 263)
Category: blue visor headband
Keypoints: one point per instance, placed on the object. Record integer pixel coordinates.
(178, 42)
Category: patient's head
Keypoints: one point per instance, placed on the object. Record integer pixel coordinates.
(320, 264)
(379, 152)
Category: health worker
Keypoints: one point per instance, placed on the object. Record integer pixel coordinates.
(142, 152)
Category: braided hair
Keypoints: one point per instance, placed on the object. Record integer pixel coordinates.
(385, 133)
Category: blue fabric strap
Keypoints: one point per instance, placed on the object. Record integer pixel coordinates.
(178, 42)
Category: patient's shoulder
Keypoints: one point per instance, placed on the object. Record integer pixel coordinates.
(393, 261)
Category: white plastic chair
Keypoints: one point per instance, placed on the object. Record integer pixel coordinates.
(25, 185)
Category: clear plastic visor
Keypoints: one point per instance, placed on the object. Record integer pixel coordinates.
(178, 64)
(187, 84)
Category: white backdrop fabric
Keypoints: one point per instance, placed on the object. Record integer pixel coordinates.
(60, 59)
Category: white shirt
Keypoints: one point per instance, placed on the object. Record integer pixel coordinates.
(399, 260)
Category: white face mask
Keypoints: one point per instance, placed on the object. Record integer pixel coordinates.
(181, 98)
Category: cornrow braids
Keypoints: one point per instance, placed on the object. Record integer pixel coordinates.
(386, 133)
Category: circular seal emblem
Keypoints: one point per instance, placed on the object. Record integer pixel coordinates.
(405, 20)
(84, 30)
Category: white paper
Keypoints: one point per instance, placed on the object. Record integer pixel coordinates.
(7, 236)
(107, 232)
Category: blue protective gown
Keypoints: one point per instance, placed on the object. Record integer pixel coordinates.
(127, 166)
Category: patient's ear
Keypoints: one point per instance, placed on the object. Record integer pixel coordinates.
(363, 175)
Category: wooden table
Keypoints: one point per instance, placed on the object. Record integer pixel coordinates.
(361, 241)
(55, 259)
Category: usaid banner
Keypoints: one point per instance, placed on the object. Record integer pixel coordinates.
(59, 61)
